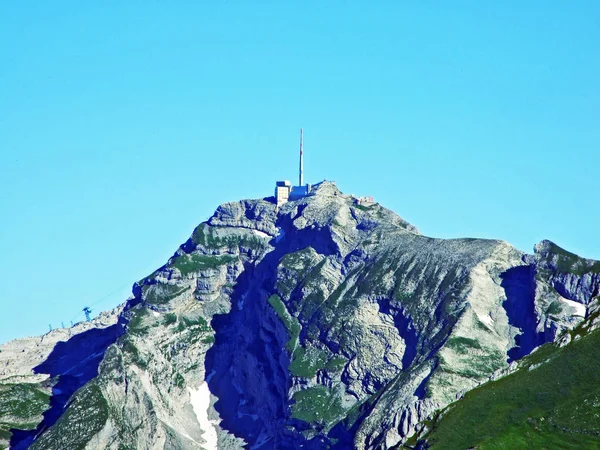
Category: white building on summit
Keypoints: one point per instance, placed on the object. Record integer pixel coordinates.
(284, 190)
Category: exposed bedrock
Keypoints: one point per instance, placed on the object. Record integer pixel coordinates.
(72, 364)
(322, 323)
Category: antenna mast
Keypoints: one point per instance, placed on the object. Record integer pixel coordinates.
(301, 160)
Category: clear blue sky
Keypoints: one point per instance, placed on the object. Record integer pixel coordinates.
(124, 124)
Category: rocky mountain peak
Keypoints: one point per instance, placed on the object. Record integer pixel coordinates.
(327, 322)
(558, 259)
(544, 247)
(325, 206)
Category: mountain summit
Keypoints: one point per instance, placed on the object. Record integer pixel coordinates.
(324, 322)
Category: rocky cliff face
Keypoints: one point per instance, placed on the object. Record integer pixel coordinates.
(321, 324)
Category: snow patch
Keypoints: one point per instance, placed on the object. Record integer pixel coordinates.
(486, 319)
(155, 314)
(200, 400)
(261, 234)
(578, 307)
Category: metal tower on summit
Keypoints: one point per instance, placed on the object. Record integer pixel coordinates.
(301, 177)
(284, 190)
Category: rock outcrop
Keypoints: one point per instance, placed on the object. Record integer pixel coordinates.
(322, 323)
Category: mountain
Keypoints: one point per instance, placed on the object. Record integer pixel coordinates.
(324, 323)
(551, 401)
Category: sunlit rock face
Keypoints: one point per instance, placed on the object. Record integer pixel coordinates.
(321, 323)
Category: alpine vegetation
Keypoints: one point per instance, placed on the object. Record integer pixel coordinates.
(320, 321)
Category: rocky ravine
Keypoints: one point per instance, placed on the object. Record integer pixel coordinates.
(321, 324)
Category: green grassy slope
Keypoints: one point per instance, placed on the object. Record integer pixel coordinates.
(555, 405)
(21, 406)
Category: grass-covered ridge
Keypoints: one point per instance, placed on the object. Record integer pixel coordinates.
(553, 405)
(567, 262)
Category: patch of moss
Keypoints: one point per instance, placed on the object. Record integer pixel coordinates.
(210, 339)
(170, 319)
(299, 261)
(204, 235)
(159, 293)
(196, 321)
(136, 322)
(188, 264)
(298, 270)
(22, 400)
(336, 364)
(307, 361)
(314, 274)
(291, 323)
(554, 308)
(317, 405)
(178, 380)
(128, 346)
(84, 418)
(21, 407)
(363, 207)
(246, 242)
(462, 345)
(311, 303)
(194, 329)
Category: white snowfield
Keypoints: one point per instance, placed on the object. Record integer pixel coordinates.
(261, 234)
(200, 400)
(579, 308)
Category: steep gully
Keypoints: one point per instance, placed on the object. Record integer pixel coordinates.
(247, 367)
(519, 286)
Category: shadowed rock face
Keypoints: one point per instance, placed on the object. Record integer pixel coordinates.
(574, 278)
(247, 363)
(319, 324)
(519, 285)
(72, 364)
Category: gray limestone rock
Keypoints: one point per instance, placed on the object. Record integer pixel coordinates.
(322, 323)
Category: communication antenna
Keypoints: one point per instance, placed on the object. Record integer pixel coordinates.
(87, 311)
(301, 159)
